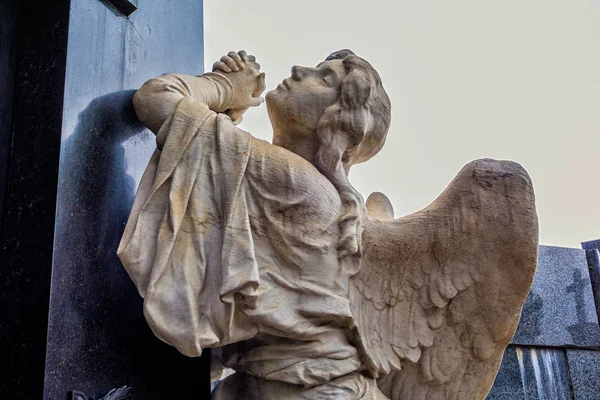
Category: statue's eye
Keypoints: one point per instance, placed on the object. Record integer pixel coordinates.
(326, 81)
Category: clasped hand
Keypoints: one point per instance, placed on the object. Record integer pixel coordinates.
(248, 82)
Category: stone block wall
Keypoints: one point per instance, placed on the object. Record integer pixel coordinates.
(555, 353)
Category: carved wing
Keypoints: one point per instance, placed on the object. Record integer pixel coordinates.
(439, 292)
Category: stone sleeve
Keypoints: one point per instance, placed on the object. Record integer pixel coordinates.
(158, 97)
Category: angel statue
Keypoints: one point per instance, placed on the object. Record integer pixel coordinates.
(267, 252)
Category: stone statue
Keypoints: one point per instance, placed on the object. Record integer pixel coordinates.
(266, 251)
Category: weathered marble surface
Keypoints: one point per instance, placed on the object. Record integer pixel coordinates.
(267, 251)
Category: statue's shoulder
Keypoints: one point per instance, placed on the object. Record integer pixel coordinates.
(283, 173)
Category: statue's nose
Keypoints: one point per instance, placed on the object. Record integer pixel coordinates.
(299, 72)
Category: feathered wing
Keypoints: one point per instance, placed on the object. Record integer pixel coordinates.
(439, 292)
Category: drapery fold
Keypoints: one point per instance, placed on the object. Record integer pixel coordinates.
(171, 239)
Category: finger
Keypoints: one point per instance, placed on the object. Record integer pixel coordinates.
(256, 101)
(251, 58)
(260, 85)
(238, 60)
(230, 63)
(255, 66)
(243, 55)
(220, 66)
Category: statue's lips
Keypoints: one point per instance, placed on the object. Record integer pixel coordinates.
(284, 84)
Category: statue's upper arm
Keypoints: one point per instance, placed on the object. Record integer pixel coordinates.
(156, 100)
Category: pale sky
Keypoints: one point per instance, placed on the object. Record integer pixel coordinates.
(468, 79)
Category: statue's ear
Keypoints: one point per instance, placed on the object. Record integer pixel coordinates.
(356, 90)
(355, 117)
(355, 126)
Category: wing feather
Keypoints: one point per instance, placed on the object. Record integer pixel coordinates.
(439, 292)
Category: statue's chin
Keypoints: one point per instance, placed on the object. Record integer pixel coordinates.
(272, 100)
(271, 94)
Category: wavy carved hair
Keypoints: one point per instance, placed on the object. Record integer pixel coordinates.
(352, 131)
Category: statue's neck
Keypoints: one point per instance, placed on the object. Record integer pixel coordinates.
(305, 147)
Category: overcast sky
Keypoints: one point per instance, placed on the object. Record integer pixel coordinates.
(468, 79)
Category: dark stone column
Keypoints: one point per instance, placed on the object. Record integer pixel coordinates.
(592, 251)
(97, 336)
(31, 160)
(70, 317)
(9, 11)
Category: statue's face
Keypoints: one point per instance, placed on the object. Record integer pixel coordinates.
(297, 104)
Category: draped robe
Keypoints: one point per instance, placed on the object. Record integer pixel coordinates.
(234, 240)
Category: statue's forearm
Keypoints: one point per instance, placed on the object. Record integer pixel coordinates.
(158, 97)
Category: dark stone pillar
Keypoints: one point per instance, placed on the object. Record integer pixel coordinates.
(9, 11)
(592, 251)
(31, 151)
(70, 317)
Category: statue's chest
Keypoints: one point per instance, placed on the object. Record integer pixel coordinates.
(293, 197)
